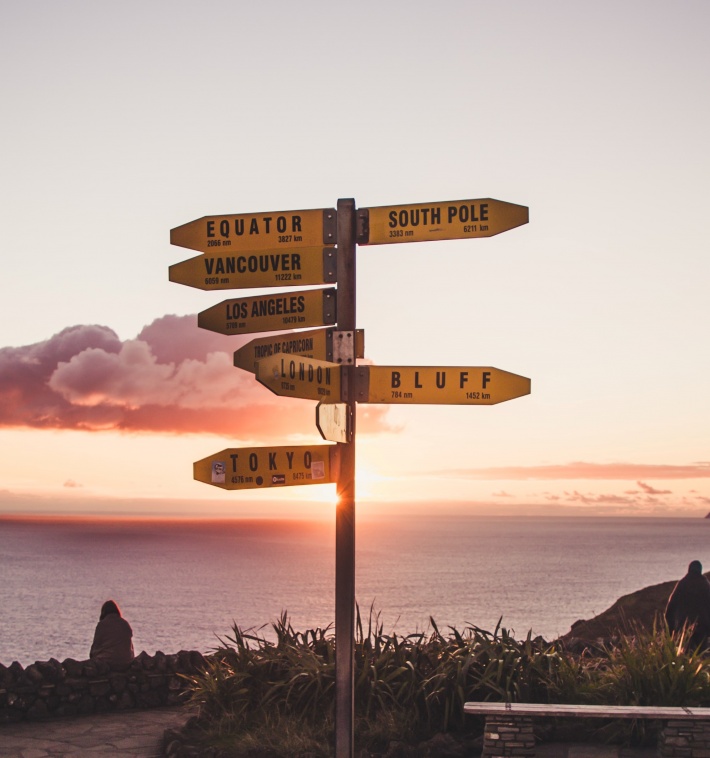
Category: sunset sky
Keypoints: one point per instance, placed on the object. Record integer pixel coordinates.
(122, 121)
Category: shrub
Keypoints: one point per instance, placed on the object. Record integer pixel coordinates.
(414, 686)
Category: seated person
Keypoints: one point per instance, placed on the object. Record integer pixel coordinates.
(113, 642)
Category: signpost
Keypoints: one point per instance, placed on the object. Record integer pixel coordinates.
(295, 247)
(426, 222)
(309, 265)
(267, 313)
(321, 344)
(257, 231)
(262, 467)
(296, 376)
(345, 512)
(443, 385)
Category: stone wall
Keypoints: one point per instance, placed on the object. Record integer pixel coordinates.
(512, 737)
(685, 739)
(52, 689)
(505, 737)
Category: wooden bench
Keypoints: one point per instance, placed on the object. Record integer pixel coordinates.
(509, 730)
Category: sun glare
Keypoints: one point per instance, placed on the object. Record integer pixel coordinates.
(366, 482)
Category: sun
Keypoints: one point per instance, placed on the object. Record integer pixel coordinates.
(367, 481)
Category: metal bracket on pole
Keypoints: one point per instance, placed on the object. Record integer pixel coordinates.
(361, 380)
(330, 305)
(330, 226)
(362, 226)
(347, 346)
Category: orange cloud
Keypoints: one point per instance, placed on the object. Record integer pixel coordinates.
(173, 377)
(581, 470)
(648, 490)
(592, 499)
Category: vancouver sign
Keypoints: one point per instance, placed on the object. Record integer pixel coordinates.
(309, 265)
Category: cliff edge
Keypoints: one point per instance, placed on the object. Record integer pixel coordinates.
(639, 608)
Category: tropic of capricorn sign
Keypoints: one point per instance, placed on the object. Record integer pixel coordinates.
(285, 248)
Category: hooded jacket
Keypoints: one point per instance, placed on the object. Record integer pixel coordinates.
(689, 603)
(113, 641)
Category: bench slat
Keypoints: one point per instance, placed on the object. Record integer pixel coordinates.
(586, 711)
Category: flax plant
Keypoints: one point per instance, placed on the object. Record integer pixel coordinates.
(411, 687)
(653, 667)
(480, 666)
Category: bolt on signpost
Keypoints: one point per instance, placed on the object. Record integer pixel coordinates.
(288, 248)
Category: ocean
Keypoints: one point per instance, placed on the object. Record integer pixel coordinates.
(183, 584)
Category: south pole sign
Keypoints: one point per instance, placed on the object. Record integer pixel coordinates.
(317, 247)
(427, 222)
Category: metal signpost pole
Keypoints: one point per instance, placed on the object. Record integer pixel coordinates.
(345, 512)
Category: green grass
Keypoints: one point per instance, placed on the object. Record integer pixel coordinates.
(276, 698)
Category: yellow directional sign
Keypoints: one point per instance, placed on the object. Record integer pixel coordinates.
(321, 344)
(425, 222)
(271, 268)
(295, 376)
(442, 385)
(258, 231)
(261, 467)
(268, 313)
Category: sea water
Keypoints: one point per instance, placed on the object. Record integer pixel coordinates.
(182, 585)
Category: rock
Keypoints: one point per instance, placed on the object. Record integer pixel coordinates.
(99, 689)
(161, 663)
(197, 661)
(639, 609)
(90, 669)
(143, 661)
(118, 682)
(33, 674)
(38, 711)
(72, 667)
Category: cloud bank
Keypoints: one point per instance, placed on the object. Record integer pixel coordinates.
(610, 488)
(172, 378)
(580, 470)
